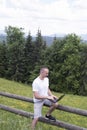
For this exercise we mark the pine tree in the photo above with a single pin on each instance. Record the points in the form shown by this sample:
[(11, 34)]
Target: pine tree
[(40, 45), (29, 62)]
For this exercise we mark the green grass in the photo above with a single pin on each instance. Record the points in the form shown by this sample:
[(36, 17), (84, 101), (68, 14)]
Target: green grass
[(10, 121)]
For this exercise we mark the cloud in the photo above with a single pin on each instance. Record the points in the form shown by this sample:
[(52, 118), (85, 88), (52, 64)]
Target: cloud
[(51, 16)]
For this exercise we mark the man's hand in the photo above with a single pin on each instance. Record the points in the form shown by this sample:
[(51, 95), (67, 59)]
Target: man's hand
[(54, 96), (50, 93), (50, 97)]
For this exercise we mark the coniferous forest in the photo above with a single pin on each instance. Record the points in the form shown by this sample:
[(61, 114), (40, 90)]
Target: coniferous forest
[(21, 58)]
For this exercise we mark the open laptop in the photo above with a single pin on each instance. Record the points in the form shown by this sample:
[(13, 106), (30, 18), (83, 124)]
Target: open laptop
[(58, 99)]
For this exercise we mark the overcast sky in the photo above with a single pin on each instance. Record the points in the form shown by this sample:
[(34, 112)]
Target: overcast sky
[(50, 16)]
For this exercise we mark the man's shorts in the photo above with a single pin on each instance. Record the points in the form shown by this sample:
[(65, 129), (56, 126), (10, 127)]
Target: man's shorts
[(38, 107)]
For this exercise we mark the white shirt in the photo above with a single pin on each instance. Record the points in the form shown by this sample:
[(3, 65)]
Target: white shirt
[(41, 86)]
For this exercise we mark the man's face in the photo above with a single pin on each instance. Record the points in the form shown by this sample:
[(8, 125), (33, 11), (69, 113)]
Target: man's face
[(45, 73)]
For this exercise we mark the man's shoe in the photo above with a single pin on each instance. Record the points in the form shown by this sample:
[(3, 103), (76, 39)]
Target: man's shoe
[(50, 117)]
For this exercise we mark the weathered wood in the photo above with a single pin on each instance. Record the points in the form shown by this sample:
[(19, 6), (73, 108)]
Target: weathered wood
[(18, 97), (60, 107), (42, 119)]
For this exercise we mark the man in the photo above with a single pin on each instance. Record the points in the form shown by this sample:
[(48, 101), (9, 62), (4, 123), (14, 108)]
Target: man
[(42, 94)]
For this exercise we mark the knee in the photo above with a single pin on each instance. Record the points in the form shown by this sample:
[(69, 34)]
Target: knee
[(55, 105)]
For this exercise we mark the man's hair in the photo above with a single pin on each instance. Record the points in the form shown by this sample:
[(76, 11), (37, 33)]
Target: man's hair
[(42, 68)]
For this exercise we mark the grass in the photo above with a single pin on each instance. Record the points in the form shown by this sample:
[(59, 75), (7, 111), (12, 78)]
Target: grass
[(9, 121)]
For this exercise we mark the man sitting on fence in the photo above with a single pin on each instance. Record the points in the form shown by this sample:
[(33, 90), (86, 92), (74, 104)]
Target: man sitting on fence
[(42, 94)]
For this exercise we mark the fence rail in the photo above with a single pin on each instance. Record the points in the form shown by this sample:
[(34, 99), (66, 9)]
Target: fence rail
[(43, 119), (60, 107)]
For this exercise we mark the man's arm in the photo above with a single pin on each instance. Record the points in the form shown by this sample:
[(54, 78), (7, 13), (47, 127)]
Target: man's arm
[(50, 94), (36, 95)]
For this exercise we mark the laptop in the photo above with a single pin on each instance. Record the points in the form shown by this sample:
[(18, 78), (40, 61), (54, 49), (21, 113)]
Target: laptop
[(58, 99)]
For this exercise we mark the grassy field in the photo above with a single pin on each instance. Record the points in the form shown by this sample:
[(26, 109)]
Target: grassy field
[(10, 121)]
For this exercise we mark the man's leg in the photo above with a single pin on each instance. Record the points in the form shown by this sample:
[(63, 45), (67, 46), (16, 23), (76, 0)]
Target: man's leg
[(52, 108), (37, 113), (34, 122)]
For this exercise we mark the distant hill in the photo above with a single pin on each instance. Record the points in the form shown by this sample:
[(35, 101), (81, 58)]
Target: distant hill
[(2, 38), (84, 37), (49, 39)]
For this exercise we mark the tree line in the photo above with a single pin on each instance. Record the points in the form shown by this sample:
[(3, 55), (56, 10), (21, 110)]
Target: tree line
[(21, 58)]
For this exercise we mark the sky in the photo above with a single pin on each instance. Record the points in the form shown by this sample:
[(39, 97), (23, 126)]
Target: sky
[(49, 16)]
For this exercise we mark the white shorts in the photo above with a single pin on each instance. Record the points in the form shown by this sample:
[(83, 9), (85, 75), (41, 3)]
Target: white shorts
[(38, 107)]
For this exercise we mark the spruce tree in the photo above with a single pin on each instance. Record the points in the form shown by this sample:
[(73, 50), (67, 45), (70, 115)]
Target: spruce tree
[(29, 62)]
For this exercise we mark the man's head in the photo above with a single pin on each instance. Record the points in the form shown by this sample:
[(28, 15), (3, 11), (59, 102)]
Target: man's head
[(44, 71)]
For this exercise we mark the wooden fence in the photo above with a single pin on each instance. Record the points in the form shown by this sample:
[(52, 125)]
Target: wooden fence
[(43, 119)]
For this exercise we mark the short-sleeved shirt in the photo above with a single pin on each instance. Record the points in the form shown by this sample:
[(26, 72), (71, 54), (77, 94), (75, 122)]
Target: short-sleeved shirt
[(40, 86)]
